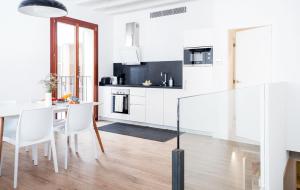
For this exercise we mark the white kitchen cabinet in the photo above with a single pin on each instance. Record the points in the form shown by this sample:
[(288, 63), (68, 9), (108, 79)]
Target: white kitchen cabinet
[(137, 113), (137, 109), (137, 100), (105, 98), (197, 80), (154, 106), (170, 106)]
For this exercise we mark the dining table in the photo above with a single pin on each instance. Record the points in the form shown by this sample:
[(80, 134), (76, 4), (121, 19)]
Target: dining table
[(14, 110)]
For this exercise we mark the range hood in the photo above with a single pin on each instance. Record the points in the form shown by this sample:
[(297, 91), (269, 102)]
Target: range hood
[(130, 53)]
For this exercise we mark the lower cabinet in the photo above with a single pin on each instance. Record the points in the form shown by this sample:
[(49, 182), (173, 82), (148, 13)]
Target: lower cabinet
[(155, 106), (170, 106), (137, 113), (137, 109), (146, 105)]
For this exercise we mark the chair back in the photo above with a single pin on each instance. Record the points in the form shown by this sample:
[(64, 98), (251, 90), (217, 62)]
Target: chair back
[(79, 117), (35, 125)]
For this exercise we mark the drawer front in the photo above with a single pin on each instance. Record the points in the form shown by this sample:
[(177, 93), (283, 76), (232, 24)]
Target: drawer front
[(137, 100), (138, 92)]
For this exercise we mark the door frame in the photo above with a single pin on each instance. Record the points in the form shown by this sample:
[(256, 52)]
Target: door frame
[(53, 51)]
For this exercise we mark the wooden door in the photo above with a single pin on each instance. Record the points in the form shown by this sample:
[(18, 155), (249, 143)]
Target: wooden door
[(69, 42)]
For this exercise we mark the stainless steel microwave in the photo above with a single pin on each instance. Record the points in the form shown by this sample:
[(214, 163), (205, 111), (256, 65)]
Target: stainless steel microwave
[(198, 55)]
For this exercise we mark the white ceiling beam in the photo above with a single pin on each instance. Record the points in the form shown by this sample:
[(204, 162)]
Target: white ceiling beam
[(87, 2), (115, 3), (146, 5), (81, 1)]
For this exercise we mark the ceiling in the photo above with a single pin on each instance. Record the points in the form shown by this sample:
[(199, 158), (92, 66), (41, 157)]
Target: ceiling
[(124, 6)]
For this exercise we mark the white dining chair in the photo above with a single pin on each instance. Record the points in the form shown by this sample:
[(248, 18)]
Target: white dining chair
[(35, 126), (79, 120), (10, 123)]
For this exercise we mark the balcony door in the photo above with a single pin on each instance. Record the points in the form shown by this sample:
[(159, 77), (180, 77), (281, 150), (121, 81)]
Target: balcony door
[(74, 58)]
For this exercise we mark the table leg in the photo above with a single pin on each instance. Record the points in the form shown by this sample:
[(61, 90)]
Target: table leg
[(1, 134), (98, 135)]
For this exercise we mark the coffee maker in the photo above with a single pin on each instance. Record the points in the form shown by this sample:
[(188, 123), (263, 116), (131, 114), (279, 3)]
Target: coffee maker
[(121, 79)]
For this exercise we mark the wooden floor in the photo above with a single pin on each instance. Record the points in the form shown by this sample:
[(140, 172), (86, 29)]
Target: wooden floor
[(128, 164)]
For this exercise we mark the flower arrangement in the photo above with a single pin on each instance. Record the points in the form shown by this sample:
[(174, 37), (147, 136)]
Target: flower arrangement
[(50, 83)]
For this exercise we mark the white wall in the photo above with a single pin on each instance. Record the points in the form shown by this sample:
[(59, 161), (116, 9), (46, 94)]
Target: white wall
[(292, 40), (162, 39), (25, 50)]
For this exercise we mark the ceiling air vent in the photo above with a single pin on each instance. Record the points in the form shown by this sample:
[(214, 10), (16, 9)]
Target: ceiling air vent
[(168, 12)]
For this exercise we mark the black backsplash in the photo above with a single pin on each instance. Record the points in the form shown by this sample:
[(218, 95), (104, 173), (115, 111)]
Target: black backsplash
[(137, 74)]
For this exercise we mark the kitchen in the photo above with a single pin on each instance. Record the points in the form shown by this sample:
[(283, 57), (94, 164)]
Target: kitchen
[(149, 91)]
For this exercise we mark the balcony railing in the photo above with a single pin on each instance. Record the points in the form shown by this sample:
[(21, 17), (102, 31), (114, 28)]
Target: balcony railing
[(66, 84)]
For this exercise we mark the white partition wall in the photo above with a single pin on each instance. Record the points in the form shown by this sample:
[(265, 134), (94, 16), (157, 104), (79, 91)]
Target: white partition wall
[(224, 137), (260, 128)]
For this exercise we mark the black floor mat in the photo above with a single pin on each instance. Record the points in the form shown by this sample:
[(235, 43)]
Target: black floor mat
[(161, 135)]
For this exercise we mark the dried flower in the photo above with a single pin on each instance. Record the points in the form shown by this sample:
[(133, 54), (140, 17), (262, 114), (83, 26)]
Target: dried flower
[(50, 83)]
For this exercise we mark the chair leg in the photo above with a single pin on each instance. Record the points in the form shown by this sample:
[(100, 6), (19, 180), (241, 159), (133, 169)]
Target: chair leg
[(16, 166), (53, 148), (32, 152), (35, 154), (1, 163), (76, 143), (96, 152), (46, 147), (66, 152)]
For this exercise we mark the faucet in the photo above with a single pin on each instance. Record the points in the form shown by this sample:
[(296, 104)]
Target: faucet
[(164, 78)]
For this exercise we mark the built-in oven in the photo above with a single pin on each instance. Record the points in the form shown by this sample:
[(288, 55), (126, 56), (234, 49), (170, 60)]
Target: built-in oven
[(120, 101), (198, 55)]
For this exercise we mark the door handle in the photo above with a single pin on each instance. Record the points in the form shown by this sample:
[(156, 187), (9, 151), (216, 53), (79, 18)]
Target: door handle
[(236, 81)]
